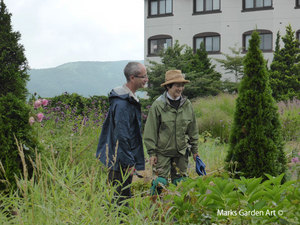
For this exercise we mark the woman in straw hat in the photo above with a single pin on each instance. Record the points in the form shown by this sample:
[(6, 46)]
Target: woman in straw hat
[(171, 132)]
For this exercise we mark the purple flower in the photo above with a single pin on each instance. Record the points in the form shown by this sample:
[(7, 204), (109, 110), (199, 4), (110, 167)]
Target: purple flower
[(295, 160)]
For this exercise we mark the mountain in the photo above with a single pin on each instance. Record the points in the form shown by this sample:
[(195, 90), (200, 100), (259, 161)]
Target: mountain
[(84, 78)]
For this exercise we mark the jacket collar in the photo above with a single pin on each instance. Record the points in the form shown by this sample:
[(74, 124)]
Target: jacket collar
[(165, 102)]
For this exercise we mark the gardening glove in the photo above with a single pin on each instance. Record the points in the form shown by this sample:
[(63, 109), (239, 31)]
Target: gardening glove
[(200, 167)]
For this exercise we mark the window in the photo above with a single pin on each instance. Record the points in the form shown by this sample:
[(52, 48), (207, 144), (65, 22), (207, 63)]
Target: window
[(160, 7), (257, 4), (297, 4), (211, 42), (298, 35), (266, 40), (158, 43), (206, 6)]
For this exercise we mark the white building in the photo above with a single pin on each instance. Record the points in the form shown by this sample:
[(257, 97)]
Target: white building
[(220, 24)]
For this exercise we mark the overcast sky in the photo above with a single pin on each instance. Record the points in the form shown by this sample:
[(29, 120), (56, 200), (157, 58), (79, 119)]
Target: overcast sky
[(55, 32)]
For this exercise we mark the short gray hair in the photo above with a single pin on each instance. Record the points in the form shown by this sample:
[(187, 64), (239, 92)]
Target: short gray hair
[(132, 68)]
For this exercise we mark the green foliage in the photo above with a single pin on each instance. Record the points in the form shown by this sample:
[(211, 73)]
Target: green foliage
[(13, 64), (222, 200), (204, 79), (256, 140), (14, 112), (197, 68), (290, 119), (14, 127), (69, 186), (78, 103), (233, 63), (215, 115), (285, 68), (175, 57)]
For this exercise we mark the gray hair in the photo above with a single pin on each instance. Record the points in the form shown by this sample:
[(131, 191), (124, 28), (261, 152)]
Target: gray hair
[(132, 68)]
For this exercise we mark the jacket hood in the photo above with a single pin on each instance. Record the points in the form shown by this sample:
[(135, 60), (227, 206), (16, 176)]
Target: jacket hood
[(123, 93), (119, 92)]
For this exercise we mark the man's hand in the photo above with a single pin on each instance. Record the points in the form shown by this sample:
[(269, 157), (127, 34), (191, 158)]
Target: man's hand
[(131, 170), (153, 160)]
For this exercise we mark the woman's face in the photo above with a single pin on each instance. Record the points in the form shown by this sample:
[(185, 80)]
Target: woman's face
[(176, 90)]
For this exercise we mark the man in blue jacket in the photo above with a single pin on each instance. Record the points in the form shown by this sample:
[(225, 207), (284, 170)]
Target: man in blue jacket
[(120, 146)]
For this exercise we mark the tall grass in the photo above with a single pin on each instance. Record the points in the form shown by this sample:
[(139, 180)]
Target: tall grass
[(215, 115)]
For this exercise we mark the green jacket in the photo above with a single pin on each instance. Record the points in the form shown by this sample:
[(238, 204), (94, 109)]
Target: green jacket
[(170, 131)]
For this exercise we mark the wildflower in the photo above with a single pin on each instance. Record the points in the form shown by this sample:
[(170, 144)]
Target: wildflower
[(37, 103), (44, 102), (40, 117), (31, 120), (295, 160)]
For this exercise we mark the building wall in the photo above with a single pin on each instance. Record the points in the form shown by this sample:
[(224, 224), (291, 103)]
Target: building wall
[(231, 23)]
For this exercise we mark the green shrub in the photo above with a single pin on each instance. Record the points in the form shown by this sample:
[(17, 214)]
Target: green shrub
[(14, 127)]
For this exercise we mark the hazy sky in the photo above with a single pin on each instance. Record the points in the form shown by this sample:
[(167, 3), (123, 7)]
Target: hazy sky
[(54, 32)]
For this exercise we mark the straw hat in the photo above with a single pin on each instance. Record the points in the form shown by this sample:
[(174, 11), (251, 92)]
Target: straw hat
[(174, 76)]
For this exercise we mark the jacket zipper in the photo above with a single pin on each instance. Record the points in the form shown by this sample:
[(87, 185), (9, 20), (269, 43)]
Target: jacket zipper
[(175, 131)]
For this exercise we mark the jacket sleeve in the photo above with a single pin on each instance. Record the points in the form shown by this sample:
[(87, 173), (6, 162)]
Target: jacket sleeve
[(193, 133), (151, 131), (122, 133)]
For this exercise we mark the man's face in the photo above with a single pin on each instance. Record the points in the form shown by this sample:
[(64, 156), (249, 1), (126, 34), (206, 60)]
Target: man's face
[(142, 79), (176, 90)]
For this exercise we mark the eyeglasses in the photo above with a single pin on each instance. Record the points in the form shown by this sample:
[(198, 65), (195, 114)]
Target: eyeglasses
[(143, 77)]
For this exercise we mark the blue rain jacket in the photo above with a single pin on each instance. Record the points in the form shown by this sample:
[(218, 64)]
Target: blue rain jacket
[(122, 125)]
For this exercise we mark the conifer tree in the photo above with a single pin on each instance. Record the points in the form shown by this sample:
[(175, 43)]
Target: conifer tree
[(197, 68), (256, 142), (285, 68), (205, 80), (233, 63), (176, 57), (13, 108)]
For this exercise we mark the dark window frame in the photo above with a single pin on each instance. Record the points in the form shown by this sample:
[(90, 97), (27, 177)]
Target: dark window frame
[(260, 31), (297, 4), (206, 35), (204, 10), (256, 8), (157, 37), (158, 10)]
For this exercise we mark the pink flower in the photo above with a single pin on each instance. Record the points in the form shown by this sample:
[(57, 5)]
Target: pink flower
[(295, 160), (40, 117), (37, 103), (31, 120), (44, 102)]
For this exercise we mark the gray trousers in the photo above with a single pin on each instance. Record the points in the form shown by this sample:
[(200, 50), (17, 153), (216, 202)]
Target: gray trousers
[(176, 165)]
